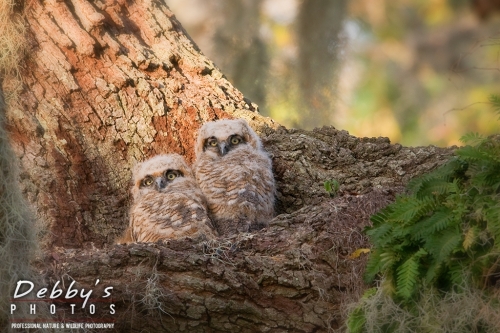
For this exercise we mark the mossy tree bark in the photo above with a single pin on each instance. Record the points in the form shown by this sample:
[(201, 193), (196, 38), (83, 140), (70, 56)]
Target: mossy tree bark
[(107, 84)]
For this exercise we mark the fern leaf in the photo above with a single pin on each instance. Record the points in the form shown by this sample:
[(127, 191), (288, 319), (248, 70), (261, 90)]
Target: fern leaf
[(492, 217), (486, 178), (495, 101), (434, 187), (356, 321), (369, 293), (411, 210), (470, 237), (473, 139), (442, 245), (451, 241), (474, 154), (387, 285), (420, 253), (379, 235), (387, 260), (433, 272), (438, 221), (454, 187), (373, 266), (456, 167), (380, 217), (456, 274), (407, 277), (415, 184)]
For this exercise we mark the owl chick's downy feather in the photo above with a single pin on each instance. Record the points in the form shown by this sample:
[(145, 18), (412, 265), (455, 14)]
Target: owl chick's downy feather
[(235, 175), (167, 202)]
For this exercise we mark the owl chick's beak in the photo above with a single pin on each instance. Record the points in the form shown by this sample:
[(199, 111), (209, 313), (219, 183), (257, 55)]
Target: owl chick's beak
[(160, 183), (223, 149)]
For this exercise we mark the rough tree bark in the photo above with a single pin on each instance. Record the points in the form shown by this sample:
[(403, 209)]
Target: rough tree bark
[(109, 83)]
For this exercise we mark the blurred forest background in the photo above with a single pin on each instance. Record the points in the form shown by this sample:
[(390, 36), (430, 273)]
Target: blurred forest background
[(417, 71)]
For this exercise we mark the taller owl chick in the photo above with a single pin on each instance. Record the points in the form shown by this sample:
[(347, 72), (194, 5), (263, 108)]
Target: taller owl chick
[(167, 202), (235, 175)]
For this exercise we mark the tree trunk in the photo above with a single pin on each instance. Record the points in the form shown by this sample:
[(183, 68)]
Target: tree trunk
[(238, 47), (107, 84), (319, 29)]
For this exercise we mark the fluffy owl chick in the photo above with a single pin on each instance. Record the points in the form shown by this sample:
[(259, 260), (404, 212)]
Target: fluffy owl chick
[(167, 203), (235, 175)]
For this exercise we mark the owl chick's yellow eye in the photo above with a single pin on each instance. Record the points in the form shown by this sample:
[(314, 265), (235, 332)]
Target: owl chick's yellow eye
[(235, 141), (213, 143), (147, 181), (171, 176)]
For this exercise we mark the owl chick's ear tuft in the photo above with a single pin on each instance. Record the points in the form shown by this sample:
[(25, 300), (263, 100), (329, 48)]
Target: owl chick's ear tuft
[(250, 135)]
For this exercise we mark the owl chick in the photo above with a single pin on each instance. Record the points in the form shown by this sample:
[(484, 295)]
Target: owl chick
[(235, 175), (167, 203)]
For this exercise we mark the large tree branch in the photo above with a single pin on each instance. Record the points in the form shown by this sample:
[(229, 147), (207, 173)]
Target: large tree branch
[(297, 275)]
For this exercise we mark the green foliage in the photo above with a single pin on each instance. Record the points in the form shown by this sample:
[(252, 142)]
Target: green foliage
[(437, 249), (495, 101), (448, 224), (442, 236), (332, 187)]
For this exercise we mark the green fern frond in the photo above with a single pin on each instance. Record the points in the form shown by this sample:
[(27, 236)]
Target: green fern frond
[(443, 244), (373, 266), (455, 168), (473, 154), (435, 187), (473, 139), (495, 101), (438, 221), (388, 284), (456, 273), (380, 217), (454, 187), (433, 272), (492, 217), (380, 235), (415, 184), (487, 177), (409, 210), (452, 242), (387, 260), (356, 320), (407, 277), (446, 230)]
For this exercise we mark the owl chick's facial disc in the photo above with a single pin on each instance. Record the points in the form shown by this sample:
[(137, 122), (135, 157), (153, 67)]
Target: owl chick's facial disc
[(156, 173), (218, 138), (167, 203)]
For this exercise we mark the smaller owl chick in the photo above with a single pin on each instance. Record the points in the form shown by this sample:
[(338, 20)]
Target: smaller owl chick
[(235, 175), (167, 203)]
